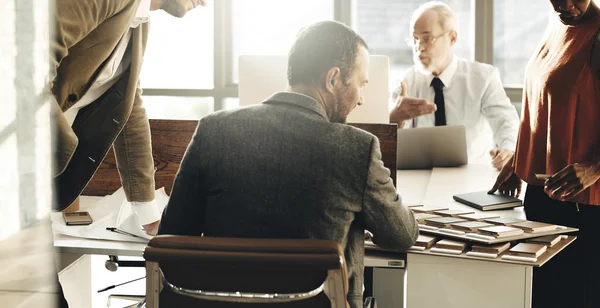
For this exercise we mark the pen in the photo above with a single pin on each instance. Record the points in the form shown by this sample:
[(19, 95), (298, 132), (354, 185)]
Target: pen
[(112, 229), (542, 176), (120, 284)]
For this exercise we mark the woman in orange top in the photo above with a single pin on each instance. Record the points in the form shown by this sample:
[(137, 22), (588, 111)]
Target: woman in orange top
[(560, 135)]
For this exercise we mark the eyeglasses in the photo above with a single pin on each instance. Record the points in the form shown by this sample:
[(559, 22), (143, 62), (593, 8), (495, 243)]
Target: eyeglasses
[(426, 40)]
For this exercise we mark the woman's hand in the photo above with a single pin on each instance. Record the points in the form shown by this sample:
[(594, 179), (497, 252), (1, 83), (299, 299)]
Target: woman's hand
[(572, 180), (508, 182)]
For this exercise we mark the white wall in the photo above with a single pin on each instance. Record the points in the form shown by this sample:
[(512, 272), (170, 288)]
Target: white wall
[(25, 181)]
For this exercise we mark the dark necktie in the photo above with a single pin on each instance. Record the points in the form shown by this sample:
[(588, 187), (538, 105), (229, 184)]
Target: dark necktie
[(440, 113)]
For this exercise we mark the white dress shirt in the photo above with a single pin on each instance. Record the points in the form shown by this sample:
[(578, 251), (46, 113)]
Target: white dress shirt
[(473, 97), (119, 62)]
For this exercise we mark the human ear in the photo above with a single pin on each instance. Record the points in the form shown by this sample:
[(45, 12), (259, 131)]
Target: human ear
[(453, 37), (332, 77)]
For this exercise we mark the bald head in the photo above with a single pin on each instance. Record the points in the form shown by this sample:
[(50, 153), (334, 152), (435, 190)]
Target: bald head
[(436, 11)]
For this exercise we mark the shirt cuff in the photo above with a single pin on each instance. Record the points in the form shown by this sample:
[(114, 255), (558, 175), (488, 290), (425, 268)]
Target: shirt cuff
[(508, 145), (147, 212)]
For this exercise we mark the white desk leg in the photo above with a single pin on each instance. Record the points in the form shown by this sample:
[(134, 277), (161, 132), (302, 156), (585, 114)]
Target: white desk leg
[(75, 275), (528, 286), (435, 281)]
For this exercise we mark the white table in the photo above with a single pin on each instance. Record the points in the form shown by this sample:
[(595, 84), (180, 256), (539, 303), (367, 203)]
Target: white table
[(431, 281), (437, 281)]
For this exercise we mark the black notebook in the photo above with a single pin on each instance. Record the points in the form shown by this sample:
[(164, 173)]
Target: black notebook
[(483, 201)]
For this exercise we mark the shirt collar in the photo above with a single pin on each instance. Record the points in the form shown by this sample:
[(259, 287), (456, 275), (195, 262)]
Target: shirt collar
[(447, 75), (299, 100), (142, 14)]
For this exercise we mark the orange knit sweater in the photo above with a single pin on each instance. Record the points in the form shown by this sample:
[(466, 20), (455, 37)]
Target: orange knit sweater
[(561, 106)]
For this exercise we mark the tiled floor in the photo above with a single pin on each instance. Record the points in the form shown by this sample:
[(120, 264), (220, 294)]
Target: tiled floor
[(27, 269), (28, 275)]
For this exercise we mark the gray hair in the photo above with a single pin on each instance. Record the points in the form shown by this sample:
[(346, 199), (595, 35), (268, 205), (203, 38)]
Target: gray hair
[(446, 14)]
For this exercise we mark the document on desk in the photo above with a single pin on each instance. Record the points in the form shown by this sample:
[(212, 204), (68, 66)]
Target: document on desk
[(109, 211)]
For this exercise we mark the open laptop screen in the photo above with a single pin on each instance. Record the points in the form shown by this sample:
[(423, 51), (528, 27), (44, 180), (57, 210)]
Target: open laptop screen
[(428, 147)]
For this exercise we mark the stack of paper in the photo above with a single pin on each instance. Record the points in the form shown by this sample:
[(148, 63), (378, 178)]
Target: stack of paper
[(112, 211)]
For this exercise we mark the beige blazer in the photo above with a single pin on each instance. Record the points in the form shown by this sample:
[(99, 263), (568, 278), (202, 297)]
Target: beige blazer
[(83, 38)]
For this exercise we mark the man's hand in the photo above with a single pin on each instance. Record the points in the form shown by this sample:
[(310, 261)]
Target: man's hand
[(500, 157), (408, 108), (508, 182), (152, 228), (572, 180)]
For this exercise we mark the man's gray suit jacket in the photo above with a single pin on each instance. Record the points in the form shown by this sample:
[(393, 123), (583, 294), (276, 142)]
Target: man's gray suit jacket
[(282, 170)]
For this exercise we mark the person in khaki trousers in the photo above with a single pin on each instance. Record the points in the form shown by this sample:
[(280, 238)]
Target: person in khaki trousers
[(97, 47)]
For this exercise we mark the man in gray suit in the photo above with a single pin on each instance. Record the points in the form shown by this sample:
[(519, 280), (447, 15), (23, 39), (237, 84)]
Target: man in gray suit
[(290, 167)]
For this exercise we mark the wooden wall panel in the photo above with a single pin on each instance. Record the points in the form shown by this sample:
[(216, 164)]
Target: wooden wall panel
[(169, 142), (170, 139)]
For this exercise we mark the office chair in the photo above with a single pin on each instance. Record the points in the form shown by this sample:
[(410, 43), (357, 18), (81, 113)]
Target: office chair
[(188, 271)]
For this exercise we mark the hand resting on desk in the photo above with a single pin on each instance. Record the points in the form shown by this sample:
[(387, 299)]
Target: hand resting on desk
[(508, 182)]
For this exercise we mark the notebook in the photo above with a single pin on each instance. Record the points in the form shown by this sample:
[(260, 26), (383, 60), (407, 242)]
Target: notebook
[(425, 241), (427, 209), (534, 226), (491, 249), (529, 250), (548, 240), (504, 221), (453, 212), (479, 216), (500, 231), (470, 226), (420, 217), (443, 222), (483, 201), (449, 246)]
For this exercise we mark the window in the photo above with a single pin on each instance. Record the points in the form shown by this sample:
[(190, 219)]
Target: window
[(518, 28), (193, 60), (179, 53), (385, 25), (265, 27), (178, 107)]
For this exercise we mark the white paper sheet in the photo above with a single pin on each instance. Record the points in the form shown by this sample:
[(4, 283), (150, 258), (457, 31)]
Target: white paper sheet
[(109, 211)]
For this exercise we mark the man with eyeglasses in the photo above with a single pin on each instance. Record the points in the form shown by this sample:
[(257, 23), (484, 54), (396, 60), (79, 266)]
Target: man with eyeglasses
[(442, 89)]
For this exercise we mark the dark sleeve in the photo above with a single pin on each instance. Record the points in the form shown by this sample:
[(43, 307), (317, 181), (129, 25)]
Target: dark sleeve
[(184, 214), (595, 56), (391, 222)]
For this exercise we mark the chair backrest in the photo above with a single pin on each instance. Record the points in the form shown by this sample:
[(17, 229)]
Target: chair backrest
[(190, 271), (170, 139)]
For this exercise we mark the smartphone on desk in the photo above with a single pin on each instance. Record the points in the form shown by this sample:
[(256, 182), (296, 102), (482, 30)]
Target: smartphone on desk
[(77, 218)]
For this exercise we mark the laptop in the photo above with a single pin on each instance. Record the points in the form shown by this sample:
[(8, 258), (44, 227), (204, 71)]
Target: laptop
[(260, 76), (428, 147)]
